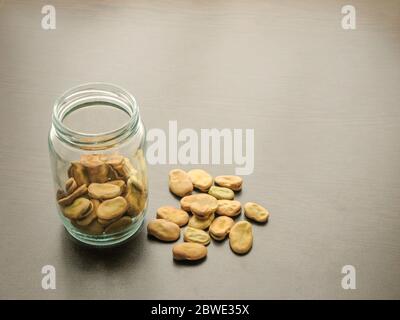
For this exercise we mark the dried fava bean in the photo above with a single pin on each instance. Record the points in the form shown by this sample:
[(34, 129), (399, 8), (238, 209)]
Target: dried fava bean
[(204, 205), (66, 201), (196, 235), (201, 179), (119, 225), (135, 196), (232, 182), (174, 215), (78, 172), (119, 183), (87, 212), (111, 209), (220, 227), (70, 185), (221, 193), (180, 183), (77, 209), (97, 170), (127, 169), (60, 194), (113, 160), (202, 224), (141, 175), (94, 228), (189, 251), (187, 201), (230, 208), (256, 212), (105, 222), (91, 216), (164, 230), (241, 237), (113, 174), (103, 191)]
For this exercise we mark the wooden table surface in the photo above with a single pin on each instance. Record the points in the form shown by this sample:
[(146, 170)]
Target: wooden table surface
[(324, 104)]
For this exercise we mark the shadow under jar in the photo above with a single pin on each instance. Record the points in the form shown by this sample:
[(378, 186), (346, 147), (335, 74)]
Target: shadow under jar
[(97, 147)]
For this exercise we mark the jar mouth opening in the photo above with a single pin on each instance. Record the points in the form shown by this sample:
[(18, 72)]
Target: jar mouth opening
[(89, 94)]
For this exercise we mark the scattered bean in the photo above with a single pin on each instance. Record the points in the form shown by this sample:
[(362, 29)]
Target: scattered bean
[(230, 208), (189, 251), (241, 237), (202, 224), (164, 230), (187, 201), (256, 212), (180, 183), (196, 235), (221, 193), (232, 182), (174, 215), (220, 227), (201, 179), (204, 205)]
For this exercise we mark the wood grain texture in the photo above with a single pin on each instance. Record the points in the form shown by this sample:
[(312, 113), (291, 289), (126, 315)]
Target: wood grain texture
[(324, 103)]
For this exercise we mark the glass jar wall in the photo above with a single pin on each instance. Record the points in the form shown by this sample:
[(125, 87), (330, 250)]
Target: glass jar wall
[(97, 147)]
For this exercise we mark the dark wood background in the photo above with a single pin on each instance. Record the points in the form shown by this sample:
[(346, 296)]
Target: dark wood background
[(324, 103)]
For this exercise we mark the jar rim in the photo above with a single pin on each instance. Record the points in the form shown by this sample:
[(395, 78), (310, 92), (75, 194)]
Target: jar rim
[(77, 96)]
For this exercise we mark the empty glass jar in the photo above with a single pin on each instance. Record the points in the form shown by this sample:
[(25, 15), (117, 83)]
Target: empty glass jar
[(97, 147)]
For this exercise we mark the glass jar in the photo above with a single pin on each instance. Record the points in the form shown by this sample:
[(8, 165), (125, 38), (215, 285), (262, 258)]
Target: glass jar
[(97, 147)]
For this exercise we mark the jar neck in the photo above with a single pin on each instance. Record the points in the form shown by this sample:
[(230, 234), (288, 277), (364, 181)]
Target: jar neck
[(95, 93)]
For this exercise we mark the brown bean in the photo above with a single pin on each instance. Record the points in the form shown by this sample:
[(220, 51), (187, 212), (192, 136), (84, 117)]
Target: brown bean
[(232, 182), (180, 183), (189, 251), (202, 224), (78, 172), (187, 201), (80, 191), (70, 185), (196, 235), (135, 196), (91, 216), (204, 205), (104, 191), (201, 179), (241, 237), (119, 225), (221, 193), (220, 227), (94, 228), (164, 230), (113, 208), (97, 170), (256, 212), (230, 208), (77, 209), (174, 215)]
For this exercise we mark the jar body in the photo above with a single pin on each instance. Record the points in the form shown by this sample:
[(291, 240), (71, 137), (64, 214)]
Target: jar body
[(100, 179)]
